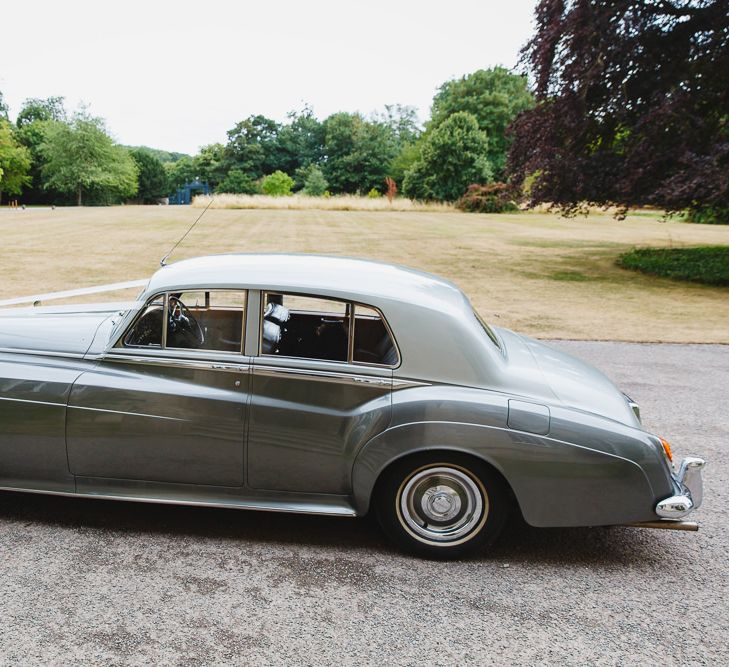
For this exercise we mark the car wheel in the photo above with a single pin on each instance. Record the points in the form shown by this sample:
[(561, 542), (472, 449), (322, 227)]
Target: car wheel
[(441, 506)]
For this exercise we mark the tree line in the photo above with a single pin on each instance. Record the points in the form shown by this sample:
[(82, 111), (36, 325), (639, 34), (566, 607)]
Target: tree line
[(49, 155), (628, 106)]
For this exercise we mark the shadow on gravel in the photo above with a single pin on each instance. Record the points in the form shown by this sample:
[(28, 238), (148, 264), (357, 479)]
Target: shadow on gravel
[(520, 543)]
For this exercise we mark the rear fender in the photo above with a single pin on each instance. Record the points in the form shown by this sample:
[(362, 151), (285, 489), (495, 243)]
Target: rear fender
[(555, 483)]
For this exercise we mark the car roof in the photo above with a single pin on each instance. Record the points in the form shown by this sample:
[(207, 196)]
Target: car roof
[(340, 277)]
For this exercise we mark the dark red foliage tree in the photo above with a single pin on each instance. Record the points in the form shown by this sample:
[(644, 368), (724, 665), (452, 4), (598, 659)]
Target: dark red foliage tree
[(633, 105)]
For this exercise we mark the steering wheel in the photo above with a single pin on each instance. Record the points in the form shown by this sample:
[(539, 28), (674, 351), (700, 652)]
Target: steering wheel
[(181, 324)]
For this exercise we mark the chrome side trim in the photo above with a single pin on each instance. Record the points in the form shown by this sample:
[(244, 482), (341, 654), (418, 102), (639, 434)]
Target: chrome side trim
[(176, 362), (41, 353), (407, 384), (25, 400), (292, 507), (324, 376), (129, 414)]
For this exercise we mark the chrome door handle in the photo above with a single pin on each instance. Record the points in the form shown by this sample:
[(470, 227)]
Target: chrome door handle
[(228, 367), (377, 381)]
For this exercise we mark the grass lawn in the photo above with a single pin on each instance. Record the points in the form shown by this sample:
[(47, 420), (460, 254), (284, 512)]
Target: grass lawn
[(533, 272)]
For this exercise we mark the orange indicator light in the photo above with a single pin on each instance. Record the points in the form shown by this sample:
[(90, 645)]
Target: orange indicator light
[(667, 449)]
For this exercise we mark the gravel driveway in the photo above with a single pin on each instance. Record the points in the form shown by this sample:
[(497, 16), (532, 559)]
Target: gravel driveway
[(89, 582)]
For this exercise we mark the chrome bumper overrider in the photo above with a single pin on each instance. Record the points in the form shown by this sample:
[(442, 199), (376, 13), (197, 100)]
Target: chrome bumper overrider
[(691, 490)]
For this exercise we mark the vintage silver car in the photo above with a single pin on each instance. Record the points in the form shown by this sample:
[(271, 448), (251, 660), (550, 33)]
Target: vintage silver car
[(325, 385)]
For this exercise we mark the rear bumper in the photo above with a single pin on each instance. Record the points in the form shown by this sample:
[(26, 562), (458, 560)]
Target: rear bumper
[(690, 490)]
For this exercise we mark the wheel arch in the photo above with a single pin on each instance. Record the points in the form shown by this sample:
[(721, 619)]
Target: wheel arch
[(395, 446)]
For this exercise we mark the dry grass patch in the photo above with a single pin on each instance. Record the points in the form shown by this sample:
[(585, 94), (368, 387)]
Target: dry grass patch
[(302, 202), (536, 273)]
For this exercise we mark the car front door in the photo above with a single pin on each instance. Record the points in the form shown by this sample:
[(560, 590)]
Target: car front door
[(312, 404), (167, 403)]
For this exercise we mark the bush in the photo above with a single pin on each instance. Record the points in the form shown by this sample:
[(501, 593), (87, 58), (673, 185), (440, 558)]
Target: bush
[(238, 182), (277, 184), (704, 264), (373, 194), (708, 215), (315, 185), (490, 198)]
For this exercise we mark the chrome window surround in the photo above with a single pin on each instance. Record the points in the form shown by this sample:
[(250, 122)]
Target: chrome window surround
[(351, 317), (165, 296)]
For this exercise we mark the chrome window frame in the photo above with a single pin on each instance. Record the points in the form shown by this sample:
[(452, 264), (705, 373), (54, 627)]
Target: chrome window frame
[(351, 317), (121, 345)]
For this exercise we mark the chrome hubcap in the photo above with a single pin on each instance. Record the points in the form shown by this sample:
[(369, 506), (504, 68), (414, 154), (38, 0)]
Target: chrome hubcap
[(442, 504)]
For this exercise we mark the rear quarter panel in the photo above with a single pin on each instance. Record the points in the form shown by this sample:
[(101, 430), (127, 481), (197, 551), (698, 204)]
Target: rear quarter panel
[(587, 472)]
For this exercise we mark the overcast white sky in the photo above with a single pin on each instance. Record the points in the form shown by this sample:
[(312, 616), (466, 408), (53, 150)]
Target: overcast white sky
[(178, 74)]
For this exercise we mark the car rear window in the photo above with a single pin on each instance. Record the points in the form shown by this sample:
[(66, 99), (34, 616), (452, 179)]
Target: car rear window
[(489, 331), (373, 342)]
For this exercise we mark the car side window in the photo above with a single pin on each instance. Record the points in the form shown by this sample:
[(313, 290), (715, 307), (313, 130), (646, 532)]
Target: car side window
[(206, 320), (147, 329), (373, 343), (308, 327), (305, 327), (195, 320)]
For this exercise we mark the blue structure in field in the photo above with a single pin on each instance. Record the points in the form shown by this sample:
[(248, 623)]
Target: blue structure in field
[(185, 194)]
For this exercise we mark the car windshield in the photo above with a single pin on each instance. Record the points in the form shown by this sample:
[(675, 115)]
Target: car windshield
[(489, 331)]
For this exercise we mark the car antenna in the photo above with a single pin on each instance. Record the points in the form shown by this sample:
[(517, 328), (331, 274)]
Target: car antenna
[(163, 261)]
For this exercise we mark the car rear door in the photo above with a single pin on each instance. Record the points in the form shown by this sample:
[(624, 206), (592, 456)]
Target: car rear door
[(309, 417)]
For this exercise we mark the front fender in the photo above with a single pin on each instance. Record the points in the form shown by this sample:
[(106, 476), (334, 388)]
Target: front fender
[(556, 483)]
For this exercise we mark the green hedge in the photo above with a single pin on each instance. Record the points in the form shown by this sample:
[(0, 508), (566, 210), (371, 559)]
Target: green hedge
[(705, 264)]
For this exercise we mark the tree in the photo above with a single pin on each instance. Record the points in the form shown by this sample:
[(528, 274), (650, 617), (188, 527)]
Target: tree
[(14, 161), (162, 156), (358, 152), (406, 131), (495, 97), (33, 135), (35, 109), (452, 157), (210, 164), (33, 122), (3, 107), (300, 142), (403, 161), (315, 183), (277, 184), (80, 157), (253, 146), (402, 121), (152, 181), (632, 105), (180, 172)]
